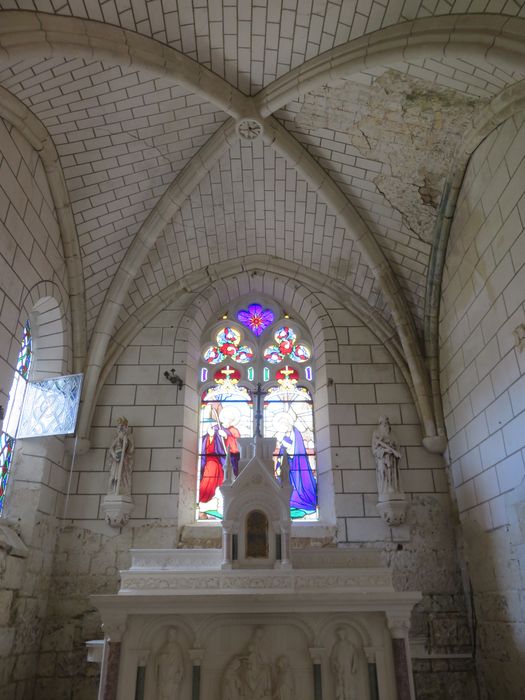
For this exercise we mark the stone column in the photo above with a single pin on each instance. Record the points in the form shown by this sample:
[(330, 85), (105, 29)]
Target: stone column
[(227, 528), (399, 624), (196, 658), (140, 680), (109, 672), (285, 546), (316, 654), (372, 672)]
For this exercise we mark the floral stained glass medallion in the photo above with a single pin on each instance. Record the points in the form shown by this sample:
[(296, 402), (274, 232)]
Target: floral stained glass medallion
[(256, 318), (228, 346), (286, 347)]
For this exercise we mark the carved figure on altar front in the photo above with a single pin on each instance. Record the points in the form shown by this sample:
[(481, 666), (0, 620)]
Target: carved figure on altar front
[(121, 453), (344, 663), (257, 681), (232, 681), (248, 676), (169, 667), (284, 682), (258, 672), (387, 455)]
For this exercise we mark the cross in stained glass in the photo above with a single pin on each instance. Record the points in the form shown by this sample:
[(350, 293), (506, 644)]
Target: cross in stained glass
[(258, 408)]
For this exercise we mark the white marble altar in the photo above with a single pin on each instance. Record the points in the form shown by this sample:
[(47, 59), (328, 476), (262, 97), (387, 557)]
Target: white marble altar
[(257, 622)]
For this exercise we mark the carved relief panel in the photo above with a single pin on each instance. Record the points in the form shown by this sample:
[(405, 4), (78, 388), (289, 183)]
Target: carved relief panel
[(345, 669), (259, 662), (168, 669)]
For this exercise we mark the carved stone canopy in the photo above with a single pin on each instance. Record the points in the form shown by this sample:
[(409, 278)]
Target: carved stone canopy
[(256, 510)]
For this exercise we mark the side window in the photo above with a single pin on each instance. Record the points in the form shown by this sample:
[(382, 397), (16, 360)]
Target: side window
[(13, 410)]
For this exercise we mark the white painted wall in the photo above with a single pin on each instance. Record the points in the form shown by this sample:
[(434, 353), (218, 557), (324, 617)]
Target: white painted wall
[(483, 385), (32, 285)]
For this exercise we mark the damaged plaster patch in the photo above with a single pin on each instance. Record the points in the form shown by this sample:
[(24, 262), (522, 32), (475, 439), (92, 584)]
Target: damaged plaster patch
[(410, 127)]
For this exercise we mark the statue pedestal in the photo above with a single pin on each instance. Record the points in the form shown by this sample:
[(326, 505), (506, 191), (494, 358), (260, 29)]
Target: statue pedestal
[(117, 510), (393, 510)]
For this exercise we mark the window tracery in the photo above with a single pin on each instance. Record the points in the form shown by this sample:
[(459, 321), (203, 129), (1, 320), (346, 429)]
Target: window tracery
[(259, 384)]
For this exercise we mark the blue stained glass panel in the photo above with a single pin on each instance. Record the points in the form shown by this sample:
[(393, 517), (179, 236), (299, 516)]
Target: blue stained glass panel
[(300, 353), (213, 355), (7, 444), (24, 356), (243, 354), (13, 410), (288, 417)]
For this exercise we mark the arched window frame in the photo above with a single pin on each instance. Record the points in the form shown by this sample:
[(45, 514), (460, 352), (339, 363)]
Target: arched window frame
[(258, 344), (45, 311)]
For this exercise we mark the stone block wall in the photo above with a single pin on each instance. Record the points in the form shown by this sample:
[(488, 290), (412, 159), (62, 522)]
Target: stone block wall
[(483, 385), (33, 273)]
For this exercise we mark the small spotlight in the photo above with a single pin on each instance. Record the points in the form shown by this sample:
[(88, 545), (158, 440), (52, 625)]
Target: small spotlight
[(174, 378)]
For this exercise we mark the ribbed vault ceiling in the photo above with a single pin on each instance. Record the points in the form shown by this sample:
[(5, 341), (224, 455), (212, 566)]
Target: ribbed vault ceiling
[(386, 135)]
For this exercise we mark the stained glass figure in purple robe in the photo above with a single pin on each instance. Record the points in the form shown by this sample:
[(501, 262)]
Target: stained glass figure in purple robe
[(288, 417), (304, 494)]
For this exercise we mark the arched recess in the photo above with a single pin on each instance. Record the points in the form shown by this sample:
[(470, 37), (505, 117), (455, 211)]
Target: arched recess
[(51, 331), (202, 296), (38, 478)]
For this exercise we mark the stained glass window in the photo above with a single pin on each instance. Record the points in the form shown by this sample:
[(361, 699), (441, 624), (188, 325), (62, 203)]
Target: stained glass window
[(225, 416), (13, 410), (284, 406), (288, 417)]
